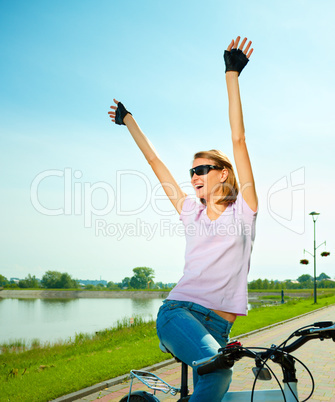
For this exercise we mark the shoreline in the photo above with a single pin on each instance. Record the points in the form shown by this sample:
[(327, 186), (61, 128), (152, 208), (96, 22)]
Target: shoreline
[(115, 294), (78, 294)]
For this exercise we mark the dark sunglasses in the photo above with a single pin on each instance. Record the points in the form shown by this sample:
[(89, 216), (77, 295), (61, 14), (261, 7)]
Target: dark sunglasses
[(202, 169)]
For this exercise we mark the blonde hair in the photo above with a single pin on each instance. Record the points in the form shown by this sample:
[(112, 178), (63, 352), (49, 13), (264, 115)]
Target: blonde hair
[(230, 186)]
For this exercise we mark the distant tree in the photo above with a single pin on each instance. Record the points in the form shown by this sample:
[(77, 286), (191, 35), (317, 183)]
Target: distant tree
[(170, 285), (136, 283), (326, 284), (51, 280), (160, 285), (257, 284), (290, 285), (58, 280), (305, 278), (266, 284), (113, 286), (66, 282), (3, 280), (11, 285), (29, 282), (23, 284), (142, 277), (322, 277), (125, 283)]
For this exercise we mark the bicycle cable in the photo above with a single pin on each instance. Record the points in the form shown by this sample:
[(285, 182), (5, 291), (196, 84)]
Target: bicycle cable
[(310, 374), (283, 344), (268, 367)]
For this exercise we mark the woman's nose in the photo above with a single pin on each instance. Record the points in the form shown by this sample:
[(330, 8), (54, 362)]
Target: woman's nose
[(194, 177)]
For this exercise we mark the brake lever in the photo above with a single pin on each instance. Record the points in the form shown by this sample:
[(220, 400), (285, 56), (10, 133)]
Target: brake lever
[(196, 363), (229, 347), (314, 330)]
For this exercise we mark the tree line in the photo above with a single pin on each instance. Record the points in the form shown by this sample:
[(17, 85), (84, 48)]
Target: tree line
[(305, 281), (143, 278)]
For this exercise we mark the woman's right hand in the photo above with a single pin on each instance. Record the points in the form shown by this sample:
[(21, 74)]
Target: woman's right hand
[(112, 113), (118, 113)]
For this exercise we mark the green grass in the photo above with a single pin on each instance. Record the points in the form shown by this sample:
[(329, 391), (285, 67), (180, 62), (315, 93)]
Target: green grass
[(320, 291), (103, 289), (47, 372), (275, 297), (263, 316)]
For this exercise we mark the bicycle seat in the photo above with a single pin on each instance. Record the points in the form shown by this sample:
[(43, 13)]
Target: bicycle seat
[(165, 350)]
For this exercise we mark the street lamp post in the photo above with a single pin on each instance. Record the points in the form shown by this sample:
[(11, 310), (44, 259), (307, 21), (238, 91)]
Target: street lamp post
[(315, 216)]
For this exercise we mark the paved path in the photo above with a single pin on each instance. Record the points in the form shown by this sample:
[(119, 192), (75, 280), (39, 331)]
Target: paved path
[(318, 356)]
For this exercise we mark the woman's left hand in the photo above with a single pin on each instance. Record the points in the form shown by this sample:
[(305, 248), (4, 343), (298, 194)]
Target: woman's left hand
[(234, 43), (237, 58)]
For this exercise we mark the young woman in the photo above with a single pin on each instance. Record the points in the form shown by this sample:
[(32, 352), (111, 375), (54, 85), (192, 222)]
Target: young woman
[(195, 319)]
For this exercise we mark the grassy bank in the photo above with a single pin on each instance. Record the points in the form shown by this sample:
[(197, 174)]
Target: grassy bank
[(44, 373), (320, 291), (263, 316), (86, 290)]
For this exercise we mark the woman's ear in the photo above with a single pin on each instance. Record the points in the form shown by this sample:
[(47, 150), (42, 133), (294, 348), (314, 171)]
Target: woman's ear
[(224, 175)]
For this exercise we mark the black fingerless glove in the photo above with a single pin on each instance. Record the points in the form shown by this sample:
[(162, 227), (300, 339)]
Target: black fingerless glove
[(235, 60), (120, 114)]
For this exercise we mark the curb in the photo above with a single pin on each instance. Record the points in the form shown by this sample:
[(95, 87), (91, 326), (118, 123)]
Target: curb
[(108, 383), (279, 323), (118, 380)]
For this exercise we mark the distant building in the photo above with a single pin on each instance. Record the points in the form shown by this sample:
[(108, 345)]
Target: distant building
[(92, 282)]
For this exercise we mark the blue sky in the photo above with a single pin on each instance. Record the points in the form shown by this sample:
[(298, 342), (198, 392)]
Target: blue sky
[(77, 195)]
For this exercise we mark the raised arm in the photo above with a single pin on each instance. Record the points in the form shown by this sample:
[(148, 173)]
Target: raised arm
[(236, 59), (175, 194)]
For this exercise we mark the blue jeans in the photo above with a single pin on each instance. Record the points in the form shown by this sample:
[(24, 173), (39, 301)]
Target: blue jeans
[(192, 332)]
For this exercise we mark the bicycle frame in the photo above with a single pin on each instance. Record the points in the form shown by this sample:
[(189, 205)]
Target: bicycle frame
[(233, 352), (157, 384), (271, 395)]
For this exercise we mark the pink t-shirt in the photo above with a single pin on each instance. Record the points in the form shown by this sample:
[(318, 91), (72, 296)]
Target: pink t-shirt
[(217, 256)]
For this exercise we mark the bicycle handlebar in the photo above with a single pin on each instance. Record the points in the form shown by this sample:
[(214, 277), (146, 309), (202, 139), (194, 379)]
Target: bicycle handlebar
[(234, 351), (321, 332), (224, 360)]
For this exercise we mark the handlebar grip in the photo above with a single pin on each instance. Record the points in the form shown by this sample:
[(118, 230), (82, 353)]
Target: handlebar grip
[(218, 363), (323, 324)]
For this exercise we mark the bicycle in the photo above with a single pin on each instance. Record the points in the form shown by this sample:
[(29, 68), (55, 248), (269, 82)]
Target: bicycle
[(234, 351)]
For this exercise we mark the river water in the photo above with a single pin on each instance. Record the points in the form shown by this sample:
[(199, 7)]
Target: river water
[(50, 320)]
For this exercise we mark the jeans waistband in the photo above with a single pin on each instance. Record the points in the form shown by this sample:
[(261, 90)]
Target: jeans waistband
[(193, 307)]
